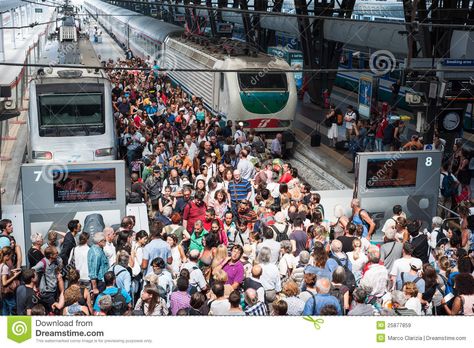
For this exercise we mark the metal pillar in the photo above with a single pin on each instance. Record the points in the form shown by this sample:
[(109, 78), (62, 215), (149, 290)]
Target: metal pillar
[(22, 21), (13, 24), (2, 46)]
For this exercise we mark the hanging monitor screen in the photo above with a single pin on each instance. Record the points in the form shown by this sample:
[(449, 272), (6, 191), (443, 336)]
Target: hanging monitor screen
[(390, 172), (84, 185)]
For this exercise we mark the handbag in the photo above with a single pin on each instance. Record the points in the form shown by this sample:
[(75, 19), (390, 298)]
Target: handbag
[(10, 288)]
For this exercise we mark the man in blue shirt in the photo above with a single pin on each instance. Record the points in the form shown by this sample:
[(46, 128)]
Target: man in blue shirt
[(112, 290), (317, 302), (156, 248), (97, 263), (239, 190)]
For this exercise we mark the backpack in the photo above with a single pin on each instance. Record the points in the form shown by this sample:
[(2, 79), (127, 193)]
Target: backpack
[(350, 278), (416, 280), (339, 117), (119, 304), (441, 238), (448, 186), (320, 208), (337, 293), (259, 146), (280, 236)]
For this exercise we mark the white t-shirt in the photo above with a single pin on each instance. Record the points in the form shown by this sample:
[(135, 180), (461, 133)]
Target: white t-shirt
[(109, 250), (415, 304), (352, 116), (80, 260), (402, 265), (219, 307), (287, 261)]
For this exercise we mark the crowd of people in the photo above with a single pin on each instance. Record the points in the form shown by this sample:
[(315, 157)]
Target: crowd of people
[(233, 230)]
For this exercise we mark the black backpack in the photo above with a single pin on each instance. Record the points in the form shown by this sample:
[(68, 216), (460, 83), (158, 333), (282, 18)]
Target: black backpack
[(93, 223), (441, 238), (281, 236), (350, 278), (337, 293), (119, 304)]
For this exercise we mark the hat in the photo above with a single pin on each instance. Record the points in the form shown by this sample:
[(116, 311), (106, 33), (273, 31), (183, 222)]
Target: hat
[(142, 140), (416, 264), (280, 218), (156, 169), (241, 124)]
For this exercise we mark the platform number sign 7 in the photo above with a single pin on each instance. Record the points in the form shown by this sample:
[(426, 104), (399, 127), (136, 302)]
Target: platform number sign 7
[(428, 161), (38, 174)]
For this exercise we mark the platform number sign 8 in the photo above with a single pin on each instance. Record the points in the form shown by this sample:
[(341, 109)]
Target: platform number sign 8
[(428, 161)]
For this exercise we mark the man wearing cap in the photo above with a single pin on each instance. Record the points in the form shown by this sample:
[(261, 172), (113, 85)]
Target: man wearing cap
[(403, 264), (412, 276)]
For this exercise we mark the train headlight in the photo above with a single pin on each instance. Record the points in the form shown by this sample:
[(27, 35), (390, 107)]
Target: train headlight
[(285, 123), (42, 155), (104, 152)]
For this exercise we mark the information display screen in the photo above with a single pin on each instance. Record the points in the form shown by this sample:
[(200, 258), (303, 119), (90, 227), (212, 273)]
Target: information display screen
[(388, 173), (84, 185)]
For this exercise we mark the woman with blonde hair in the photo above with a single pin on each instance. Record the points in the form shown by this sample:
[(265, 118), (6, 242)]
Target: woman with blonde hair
[(72, 296), (411, 293), (221, 276), (221, 254)]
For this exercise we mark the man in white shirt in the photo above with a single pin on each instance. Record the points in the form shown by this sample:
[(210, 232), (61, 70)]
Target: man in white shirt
[(196, 277), (109, 248), (239, 133), (433, 239), (391, 223), (191, 147), (271, 244), (247, 169), (403, 264), (376, 277), (350, 119)]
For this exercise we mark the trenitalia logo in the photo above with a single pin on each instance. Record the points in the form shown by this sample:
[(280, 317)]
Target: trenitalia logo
[(19, 328)]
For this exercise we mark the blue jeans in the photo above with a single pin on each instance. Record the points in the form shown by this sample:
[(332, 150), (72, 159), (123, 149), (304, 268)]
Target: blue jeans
[(8, 305), (378, 144)]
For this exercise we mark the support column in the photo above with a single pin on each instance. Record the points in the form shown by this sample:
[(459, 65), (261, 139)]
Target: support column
[(13, 24), (23, 21), (2, 46)]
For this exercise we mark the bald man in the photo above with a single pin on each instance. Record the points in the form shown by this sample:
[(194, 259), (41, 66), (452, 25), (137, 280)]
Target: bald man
[(254, 306), (254, 283)]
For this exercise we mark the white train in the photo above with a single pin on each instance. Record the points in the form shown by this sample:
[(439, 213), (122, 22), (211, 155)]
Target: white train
[(70, 111), (261, 97)]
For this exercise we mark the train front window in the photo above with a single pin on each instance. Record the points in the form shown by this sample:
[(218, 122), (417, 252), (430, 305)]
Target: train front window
[(262, 81), (71, 115)]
